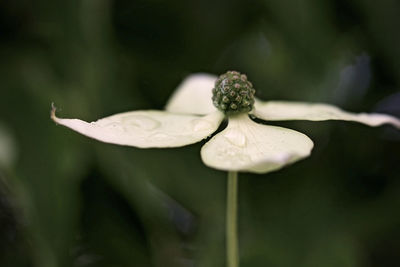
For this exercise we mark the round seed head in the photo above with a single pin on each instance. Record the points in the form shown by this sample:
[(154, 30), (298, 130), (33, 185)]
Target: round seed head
[(233, 93)]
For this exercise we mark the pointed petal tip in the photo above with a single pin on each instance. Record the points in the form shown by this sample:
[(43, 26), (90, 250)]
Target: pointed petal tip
[(146, 129), (53, 113), (286, 110)]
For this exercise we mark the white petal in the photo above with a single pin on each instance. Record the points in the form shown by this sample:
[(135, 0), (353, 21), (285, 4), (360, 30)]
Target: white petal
[(282, 110), (147, 129), (248, 146), (193, 96)]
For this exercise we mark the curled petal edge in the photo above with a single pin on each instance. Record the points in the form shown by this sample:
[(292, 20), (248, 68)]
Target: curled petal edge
[(146, 129), (286, 110)]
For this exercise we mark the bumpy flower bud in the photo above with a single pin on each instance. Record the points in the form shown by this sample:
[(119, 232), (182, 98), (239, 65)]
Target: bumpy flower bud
[(233, 93)]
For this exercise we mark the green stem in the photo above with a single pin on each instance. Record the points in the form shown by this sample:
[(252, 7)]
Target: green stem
[(232, 250)]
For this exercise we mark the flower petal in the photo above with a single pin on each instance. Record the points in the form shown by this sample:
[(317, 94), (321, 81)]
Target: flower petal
[(193, 96), (282, 110), (147, 129), (248, 146)]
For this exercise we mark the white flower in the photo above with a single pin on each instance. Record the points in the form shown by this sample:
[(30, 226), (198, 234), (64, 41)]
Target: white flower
[(244, 145)]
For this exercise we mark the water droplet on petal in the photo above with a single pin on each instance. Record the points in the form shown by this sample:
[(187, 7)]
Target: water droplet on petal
[(140, 122), (233, 156), (161, 137), (200, 125), (226, 152), (283, 157), (113, 128), (235, 137)]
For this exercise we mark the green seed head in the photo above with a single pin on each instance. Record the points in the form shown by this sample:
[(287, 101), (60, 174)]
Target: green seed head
[(233, 93)]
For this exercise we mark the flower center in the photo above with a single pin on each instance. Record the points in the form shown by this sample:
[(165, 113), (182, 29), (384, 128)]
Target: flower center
[(233, 93)]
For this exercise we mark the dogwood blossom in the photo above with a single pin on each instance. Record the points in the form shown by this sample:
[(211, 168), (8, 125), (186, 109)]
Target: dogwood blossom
[(196, 110)]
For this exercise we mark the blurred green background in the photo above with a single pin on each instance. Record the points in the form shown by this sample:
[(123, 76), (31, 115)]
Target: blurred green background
[(67, 200)]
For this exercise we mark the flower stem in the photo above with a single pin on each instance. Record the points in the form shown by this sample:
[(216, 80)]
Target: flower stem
[(232, 250)]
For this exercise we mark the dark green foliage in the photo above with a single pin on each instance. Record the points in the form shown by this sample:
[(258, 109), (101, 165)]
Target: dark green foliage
[(71, 201)]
